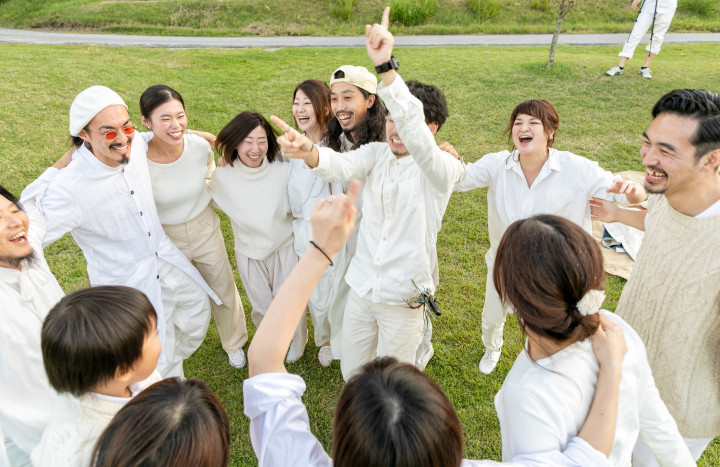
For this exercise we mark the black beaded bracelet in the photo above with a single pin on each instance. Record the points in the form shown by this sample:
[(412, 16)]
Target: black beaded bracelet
[(321, 251)]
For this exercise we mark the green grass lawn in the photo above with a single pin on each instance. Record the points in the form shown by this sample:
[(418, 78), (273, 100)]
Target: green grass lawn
[(317, 17), (601, 118)]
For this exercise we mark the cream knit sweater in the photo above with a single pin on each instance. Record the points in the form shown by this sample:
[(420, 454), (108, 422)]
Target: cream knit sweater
[(673, 301)]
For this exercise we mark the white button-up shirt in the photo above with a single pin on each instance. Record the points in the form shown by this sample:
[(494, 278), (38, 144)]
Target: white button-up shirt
[(111, 214), (404, 200), (26, 296), (563, 187)]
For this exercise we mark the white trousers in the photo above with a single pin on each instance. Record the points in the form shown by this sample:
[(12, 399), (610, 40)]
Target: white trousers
[(643, 456), (187, 316), (643, 25), (262, 280), (371, 329), (493, 315)]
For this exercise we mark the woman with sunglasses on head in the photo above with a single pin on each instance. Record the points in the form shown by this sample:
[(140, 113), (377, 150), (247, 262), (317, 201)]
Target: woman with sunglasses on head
[(311, 111), (180, 165), (550, 271), (534, 178), (390, 413)]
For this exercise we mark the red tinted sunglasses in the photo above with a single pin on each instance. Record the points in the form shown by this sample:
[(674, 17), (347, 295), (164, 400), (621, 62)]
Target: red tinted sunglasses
[(112, 134)]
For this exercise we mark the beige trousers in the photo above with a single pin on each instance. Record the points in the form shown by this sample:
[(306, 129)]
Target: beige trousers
[(371, 329), (201, 241), (262, 280)]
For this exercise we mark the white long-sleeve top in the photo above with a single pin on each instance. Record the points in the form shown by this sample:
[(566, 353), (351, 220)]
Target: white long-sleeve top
[(76, 424), (404, 200), (663, 6), (280, 430), (26, 296), (563, 187), (256, 201), (542, 405), (179, 187), (111, 214)]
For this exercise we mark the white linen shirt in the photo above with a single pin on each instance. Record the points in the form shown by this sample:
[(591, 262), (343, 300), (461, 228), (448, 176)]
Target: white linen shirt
[(280, 431), (111, 214), (542, 405), (404, 200), (26, 296), (563, 187)]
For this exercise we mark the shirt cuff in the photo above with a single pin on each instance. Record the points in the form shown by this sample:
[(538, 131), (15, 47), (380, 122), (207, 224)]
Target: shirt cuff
[(264, 391)]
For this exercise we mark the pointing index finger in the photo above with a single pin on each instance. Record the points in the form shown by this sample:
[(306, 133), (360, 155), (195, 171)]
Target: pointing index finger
[(385, 22), (278, 121)]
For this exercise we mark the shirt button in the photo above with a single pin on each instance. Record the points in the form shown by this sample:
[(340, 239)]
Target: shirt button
[(156, 254), (132, 192), (141, 213), (384, 238), (148, 234), (157, 277), (123, 170)]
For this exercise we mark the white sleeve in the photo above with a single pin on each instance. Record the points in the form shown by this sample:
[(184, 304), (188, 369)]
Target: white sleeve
[(598, 180), (55, 203), (479, 174), (578, 453), (440, 169), (337, 167), (528, 422), (279, 425)]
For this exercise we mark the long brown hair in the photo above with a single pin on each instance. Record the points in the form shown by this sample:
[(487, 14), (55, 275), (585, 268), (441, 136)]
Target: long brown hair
[(238, 129), (544, 265), (319, 95), (392, 414)]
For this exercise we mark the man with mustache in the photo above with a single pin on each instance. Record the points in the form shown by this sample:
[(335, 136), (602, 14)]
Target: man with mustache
[(103, 197), (408, 180), (673, 296), (28, 290)]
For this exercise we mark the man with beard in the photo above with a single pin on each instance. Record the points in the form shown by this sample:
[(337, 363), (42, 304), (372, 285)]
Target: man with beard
[(673, 296), (359, 113), (104, 199), (404, 199), (28, 290)]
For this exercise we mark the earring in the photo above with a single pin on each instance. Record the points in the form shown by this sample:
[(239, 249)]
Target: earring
[(551, 137)]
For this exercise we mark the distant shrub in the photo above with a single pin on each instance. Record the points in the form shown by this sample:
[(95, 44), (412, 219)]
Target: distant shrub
[(412, 12), (483, 9), (343, 9), (698, 7), (541, 5)]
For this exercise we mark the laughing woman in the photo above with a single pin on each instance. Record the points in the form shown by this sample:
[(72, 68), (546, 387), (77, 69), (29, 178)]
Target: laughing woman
[(180, 165), (534, 178), (311, 110)]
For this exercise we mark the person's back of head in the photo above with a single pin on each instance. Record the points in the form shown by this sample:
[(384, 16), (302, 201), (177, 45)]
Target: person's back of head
[(433, 101), (544, 267), (172, 423), (698, 104), (92, 335), (391, 414)]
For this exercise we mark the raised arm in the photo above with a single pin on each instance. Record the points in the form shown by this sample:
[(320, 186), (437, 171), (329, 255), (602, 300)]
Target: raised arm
[(332, 221)]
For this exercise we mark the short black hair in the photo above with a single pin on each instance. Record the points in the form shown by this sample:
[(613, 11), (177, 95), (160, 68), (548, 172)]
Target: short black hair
[(433, 101), (91, 334), (701, 105), (157, 95), (10, 197)]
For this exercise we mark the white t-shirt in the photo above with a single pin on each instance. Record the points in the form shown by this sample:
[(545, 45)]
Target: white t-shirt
[(543, 404)]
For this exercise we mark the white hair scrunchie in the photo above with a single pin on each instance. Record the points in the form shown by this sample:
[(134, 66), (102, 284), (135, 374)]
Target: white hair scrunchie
[(591, 302)]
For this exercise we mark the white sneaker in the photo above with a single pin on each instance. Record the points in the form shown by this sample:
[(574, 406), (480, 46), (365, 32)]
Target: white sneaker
[(293, 355), (325, 355), (489, 361), (645, 73), (425, 358), (237, 358), (616, 70)]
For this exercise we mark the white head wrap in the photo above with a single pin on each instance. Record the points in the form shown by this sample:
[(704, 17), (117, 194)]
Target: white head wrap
[(89, 103)]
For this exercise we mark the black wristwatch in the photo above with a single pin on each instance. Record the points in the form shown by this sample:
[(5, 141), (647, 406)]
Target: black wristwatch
[(392, 64)]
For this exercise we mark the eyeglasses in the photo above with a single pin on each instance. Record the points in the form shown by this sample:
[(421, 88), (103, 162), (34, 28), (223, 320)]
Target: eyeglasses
[(112, 134)]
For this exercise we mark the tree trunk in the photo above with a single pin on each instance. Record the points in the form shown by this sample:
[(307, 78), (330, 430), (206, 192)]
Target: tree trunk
[(553, 44)]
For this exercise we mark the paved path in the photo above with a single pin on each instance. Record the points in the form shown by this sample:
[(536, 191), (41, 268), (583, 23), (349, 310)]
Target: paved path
[(184, 42)]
